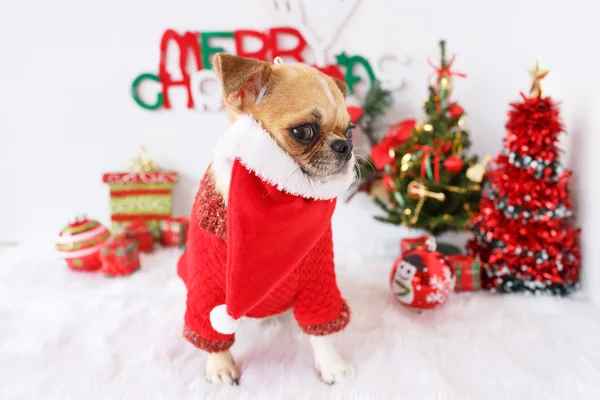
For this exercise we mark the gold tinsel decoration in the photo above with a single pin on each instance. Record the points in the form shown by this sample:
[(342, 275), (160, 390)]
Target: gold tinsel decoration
[(456, 189), (456, 144), (468, 209)]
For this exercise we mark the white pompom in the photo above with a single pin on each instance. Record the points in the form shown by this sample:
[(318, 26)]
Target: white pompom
[(221, 321)]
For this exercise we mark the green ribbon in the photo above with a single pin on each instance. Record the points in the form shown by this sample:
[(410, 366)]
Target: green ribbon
[(428, 166), (396, 193)]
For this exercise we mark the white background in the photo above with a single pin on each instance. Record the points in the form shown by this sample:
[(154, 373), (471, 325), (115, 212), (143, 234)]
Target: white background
[(67, 116)]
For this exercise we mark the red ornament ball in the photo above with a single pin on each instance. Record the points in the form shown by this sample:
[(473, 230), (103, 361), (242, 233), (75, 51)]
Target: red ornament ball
[(421, 279), (79, 243), (453, 164), (456, 111)]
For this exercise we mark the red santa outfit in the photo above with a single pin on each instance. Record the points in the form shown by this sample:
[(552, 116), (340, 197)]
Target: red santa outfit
[(267, 249)]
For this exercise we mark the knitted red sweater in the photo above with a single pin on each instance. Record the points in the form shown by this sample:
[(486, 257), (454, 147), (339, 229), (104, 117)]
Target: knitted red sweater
[(309, 287)]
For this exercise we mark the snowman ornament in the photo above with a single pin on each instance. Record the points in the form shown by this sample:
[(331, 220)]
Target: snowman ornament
[(422, 279)]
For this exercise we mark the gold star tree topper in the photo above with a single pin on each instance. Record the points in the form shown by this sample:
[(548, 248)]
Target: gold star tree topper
[(537, 74)]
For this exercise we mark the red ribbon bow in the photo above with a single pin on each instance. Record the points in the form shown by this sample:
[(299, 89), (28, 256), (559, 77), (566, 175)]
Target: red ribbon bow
[(439, 148), (445, 70)]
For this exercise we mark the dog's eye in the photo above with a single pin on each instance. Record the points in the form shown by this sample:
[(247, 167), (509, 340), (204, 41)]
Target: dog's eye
[(304, 133)]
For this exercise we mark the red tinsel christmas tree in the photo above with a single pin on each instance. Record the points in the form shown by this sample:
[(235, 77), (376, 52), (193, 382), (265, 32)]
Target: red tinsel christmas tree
[(523, 232)]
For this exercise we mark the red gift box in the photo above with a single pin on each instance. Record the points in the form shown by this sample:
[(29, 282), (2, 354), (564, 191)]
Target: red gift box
[(417, 243), (120, 257), (139, 231), (467, 270), (143, 196), (174, 231)]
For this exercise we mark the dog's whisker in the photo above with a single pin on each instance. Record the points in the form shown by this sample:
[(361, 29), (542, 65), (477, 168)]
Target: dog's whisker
[(352, 189), (357, 165), (366, 160), (296, 170), (357, 179), (286, 179), (369, 163), (311, 186)]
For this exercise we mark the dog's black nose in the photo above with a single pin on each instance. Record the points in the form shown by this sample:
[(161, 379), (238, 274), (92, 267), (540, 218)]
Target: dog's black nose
[(344, 147)]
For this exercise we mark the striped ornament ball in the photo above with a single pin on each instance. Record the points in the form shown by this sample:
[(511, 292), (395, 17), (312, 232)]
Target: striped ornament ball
[(79, 243)]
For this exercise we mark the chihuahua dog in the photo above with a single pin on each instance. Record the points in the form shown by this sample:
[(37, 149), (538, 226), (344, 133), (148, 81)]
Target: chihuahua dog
[(260, 234)]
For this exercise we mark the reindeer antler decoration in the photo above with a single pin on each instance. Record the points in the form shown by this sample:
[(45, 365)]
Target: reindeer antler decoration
[(292, 13)]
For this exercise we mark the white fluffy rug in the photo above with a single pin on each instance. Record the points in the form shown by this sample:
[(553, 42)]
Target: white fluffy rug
[(66, 335)]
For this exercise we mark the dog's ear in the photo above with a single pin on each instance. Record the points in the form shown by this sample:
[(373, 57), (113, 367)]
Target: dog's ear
[(341, 85), (242, 79)]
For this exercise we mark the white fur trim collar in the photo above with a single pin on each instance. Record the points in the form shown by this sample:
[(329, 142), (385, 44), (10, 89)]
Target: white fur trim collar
[(247, 141)]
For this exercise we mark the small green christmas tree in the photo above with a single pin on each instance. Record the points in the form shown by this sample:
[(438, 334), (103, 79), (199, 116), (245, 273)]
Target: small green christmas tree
[(432, 183)]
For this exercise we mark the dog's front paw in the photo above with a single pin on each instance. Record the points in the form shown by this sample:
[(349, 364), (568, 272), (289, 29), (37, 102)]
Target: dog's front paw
[(221, 368), (328, 362), (333, 369)]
